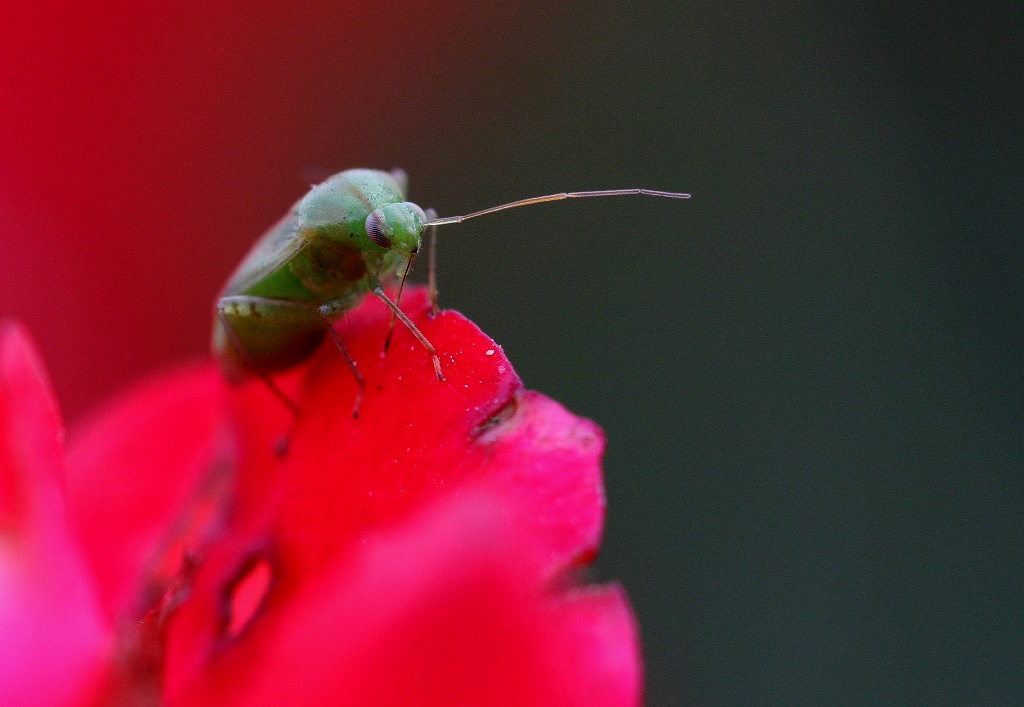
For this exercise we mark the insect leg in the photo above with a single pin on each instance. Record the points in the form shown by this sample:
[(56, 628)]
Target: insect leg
[(239, 347), (327, 311), (432, 262), (378, 291), (398, 302)]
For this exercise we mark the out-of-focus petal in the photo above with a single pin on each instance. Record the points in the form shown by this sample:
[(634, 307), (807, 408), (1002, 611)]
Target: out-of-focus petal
[(54, 641), (140, 478), (547, 462), (443, 609)]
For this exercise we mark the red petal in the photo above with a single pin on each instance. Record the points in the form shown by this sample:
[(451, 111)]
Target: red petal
[(137, 476), (442, 610), (418, 439), (384, 538), (418, 442), (547, 461), (54, 643)]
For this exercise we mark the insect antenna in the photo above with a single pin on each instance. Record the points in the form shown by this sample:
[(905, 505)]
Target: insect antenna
[(445, 220)]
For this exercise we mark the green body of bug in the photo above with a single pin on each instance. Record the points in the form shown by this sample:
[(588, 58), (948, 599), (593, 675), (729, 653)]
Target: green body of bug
[(337, 243)]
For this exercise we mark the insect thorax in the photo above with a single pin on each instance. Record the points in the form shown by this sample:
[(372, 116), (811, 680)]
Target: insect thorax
[(330, 268)]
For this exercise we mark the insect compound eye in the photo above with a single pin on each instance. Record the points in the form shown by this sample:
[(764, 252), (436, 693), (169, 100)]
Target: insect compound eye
[(375, 231)]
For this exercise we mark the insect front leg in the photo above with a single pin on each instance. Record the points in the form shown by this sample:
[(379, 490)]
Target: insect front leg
[(378, 292)]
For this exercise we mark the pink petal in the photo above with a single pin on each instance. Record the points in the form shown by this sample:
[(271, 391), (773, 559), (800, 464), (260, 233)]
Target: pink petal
[(54, 641)]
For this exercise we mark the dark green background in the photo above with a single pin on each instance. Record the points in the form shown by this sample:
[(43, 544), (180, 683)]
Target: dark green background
[(810, 376)]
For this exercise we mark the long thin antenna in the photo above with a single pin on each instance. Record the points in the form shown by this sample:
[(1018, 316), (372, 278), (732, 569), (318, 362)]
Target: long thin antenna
[(555, 197)]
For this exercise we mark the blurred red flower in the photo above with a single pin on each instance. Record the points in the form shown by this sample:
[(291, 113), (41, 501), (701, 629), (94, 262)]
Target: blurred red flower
[(198, 545)]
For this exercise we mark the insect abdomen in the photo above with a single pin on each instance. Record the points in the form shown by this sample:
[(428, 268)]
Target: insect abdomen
[(265, 335)]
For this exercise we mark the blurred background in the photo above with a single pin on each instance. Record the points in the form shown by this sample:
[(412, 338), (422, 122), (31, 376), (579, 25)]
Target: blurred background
[(810, 375)]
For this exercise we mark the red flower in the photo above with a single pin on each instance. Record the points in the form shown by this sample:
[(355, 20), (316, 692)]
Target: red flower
[(214, 550)]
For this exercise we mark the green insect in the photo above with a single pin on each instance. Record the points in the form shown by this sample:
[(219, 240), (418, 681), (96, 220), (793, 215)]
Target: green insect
[(344, 238)]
